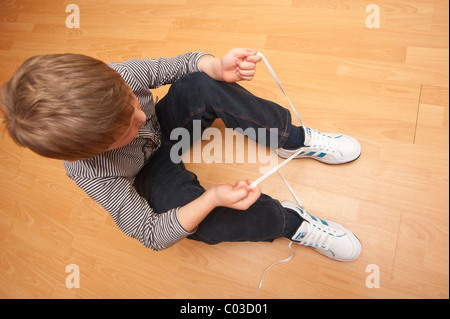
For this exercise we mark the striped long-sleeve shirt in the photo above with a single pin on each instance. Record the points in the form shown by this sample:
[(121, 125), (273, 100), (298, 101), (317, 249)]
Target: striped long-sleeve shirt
[(108, 178)]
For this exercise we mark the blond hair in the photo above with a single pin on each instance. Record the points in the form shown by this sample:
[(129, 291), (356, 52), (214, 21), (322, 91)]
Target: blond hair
[(66, 106)]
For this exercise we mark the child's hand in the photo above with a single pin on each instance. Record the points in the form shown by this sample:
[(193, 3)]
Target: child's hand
[(237, 196), (236, 65), (239, 64)]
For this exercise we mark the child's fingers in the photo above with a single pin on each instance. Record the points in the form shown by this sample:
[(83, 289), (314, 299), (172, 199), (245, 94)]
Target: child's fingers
[(256, 188), (239, 195), (253, 58), (242, 196), (249, 73), (245, 65), (239, 184)]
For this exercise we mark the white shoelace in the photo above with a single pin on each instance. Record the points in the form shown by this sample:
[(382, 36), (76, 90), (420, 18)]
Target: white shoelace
[(279, 84), (322, 142), (318, 236), (276, 262), (276, 169)]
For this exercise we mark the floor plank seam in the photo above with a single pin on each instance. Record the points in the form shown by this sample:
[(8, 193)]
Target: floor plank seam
[(417, 115)]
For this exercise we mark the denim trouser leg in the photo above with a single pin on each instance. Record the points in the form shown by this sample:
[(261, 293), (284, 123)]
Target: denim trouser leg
[(166, 184), (198, 97)]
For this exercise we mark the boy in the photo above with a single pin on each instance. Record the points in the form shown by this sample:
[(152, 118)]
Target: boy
[(102, 120)]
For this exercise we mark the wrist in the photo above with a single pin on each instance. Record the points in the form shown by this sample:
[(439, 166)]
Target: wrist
[(191, 214), (210, 199), (211, 66)]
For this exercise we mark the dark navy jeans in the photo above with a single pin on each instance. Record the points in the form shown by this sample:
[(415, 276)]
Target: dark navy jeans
[(167, 185)]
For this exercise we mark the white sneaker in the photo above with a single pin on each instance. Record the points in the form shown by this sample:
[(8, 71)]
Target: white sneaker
[(325, 147), (326, 237)]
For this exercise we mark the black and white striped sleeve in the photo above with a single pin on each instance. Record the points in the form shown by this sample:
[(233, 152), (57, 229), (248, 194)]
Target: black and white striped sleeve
[(132, 213), (153, 73)]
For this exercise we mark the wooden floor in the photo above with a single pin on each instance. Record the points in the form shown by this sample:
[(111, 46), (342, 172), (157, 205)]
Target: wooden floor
[(388, 87)]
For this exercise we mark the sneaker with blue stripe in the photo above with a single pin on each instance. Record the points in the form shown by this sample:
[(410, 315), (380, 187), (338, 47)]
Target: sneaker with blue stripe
[(324, 236), (326, 147)]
